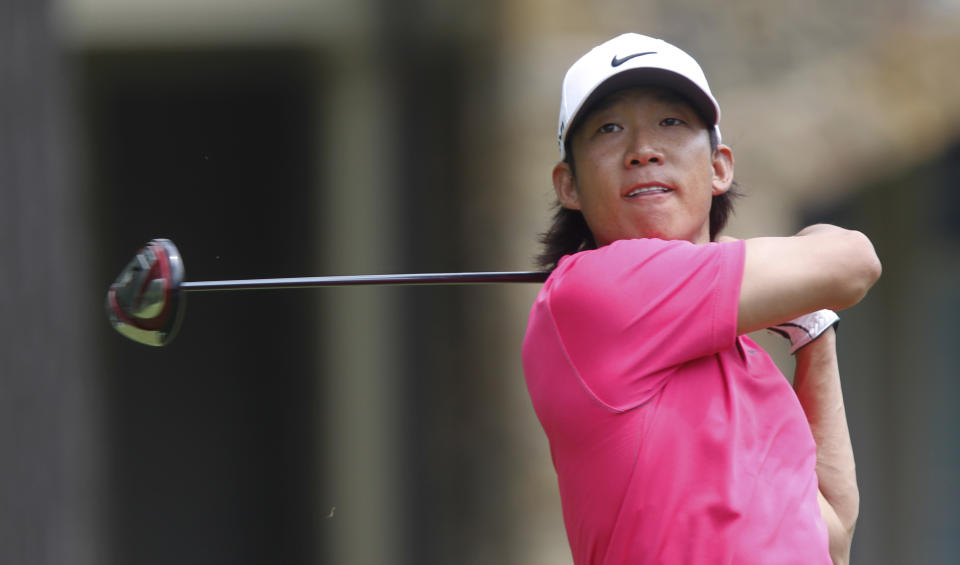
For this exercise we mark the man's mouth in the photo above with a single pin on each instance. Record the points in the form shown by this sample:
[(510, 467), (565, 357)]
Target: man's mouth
[(648, 190)]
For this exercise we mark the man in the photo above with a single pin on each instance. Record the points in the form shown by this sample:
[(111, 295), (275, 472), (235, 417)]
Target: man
[(674, 436)]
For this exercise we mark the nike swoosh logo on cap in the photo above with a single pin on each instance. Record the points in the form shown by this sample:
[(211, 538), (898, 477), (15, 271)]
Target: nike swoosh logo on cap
[(617, 62)]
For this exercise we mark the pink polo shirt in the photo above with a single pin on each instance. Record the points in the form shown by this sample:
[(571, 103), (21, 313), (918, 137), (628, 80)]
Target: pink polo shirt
[(674, 440)]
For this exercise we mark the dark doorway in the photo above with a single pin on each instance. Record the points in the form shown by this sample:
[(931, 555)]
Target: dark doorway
[(211, 442)]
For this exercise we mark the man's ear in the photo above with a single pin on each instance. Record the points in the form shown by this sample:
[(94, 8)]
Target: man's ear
[(722, 169), (565, 186)]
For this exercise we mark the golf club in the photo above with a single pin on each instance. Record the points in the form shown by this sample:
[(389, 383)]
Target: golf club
[(146, 304)]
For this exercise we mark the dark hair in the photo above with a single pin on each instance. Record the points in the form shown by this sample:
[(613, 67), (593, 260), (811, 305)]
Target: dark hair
[(569, 232)]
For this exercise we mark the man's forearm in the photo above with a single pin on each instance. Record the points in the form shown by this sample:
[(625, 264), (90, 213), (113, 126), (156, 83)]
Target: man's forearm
[(820, 267), (817, 384)]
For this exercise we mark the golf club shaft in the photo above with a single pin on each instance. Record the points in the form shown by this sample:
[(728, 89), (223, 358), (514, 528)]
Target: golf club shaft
[(369, 280)]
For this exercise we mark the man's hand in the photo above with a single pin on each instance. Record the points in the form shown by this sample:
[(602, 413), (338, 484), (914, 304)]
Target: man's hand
[(804, 329)]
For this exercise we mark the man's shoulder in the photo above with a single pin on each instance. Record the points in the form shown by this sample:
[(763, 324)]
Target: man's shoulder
[(626, 255)]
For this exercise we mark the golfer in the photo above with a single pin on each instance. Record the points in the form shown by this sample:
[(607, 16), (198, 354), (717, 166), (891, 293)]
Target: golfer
[(674, 436)]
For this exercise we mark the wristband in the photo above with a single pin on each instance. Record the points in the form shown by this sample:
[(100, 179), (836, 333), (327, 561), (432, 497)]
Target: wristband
[(804, 329)]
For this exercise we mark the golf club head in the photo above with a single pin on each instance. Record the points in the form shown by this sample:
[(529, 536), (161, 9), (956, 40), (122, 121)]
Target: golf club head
[(145, 303)]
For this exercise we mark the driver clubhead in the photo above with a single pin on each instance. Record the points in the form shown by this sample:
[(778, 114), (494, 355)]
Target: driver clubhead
[(145, 302)]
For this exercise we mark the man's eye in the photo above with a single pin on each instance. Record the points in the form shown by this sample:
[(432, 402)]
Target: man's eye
[(671, 122), (609, 128)]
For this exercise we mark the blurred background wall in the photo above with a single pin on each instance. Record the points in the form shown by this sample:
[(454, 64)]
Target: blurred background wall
[(304, 137)]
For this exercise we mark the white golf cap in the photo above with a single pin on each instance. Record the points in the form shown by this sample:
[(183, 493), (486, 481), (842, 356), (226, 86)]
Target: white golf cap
[(629, 60)]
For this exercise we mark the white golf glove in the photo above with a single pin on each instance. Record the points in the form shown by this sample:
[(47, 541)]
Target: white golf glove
[(801, 331)]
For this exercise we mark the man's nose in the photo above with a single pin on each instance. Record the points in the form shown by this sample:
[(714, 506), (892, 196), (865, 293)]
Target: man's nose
[(643, 152)]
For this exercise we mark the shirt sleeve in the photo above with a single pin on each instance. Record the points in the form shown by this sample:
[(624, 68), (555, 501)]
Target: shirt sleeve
[(629, 313)]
